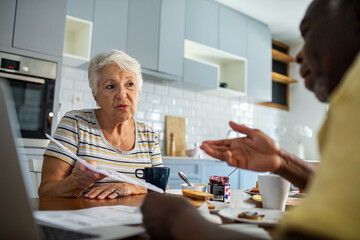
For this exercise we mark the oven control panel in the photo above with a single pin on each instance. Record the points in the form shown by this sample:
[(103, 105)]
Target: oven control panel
[(27, 66)]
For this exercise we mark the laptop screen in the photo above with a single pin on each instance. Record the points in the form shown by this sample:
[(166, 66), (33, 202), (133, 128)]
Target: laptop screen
[(15, 183)]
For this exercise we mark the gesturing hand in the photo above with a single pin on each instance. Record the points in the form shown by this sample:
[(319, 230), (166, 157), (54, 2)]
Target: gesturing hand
[(256, 151)]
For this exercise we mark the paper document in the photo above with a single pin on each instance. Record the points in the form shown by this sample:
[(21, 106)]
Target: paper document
[(112, 174), (91, 217)]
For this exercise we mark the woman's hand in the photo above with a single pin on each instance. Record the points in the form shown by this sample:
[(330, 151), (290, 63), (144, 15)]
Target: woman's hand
[(256, 151), (114, 190), (81, 177)]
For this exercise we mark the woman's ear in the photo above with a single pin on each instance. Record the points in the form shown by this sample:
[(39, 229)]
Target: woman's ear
[(96, 100)]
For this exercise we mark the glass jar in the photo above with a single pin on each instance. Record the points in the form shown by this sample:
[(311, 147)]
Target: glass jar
[(220, 187)]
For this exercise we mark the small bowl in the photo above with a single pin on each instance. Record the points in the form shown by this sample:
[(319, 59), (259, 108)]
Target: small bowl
[(197, 187), (193, 152)]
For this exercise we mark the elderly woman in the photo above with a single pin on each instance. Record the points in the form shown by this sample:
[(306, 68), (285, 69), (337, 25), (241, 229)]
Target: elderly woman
[(108, 137)]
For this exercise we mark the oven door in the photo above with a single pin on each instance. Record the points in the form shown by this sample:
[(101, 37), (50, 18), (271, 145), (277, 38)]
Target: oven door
[(33, 98)]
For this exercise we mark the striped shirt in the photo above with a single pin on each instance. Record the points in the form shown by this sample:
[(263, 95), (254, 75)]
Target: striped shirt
[(80, 132)]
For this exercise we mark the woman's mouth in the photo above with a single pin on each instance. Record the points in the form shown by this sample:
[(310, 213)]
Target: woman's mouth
[(122, 107)]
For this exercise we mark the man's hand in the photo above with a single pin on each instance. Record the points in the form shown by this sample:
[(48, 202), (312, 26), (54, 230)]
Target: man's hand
[(160, 212), (256, 151)]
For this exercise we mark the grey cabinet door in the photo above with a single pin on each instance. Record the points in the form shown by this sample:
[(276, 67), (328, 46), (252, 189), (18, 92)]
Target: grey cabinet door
[(110, 25), (39, 26), (171, 39), (201, 22), (200, 74), (259, 61), (192, 169), (7, 16), (220, 169), (143, 32), (83, 9), (232, 32)]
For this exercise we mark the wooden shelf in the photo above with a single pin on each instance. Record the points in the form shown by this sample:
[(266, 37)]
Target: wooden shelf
[(277, 77), (282, 57), (274, 105)]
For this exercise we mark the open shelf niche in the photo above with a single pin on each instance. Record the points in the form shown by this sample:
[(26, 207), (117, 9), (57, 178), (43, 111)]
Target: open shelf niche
[(232, 69), (77, 42), (280, 76)]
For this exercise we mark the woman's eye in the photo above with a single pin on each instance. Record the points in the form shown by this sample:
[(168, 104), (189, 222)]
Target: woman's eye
[(109, 86), (130, 84)]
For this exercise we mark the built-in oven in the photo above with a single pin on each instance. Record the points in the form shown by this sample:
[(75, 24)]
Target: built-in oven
[(32, 82)]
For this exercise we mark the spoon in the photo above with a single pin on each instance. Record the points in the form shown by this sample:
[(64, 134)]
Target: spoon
[(232, 172), (183, 177)]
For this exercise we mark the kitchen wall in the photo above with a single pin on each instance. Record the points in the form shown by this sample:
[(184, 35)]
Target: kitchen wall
[(206, 115), (305, 109)]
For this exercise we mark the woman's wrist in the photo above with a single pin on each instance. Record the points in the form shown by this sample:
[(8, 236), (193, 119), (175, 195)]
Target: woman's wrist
[(73, 189)]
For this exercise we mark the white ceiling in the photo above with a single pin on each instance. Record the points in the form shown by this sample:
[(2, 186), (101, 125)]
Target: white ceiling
[(282, 16)]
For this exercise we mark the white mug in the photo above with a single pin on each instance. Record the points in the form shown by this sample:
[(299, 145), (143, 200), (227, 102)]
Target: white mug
[(274, 191)]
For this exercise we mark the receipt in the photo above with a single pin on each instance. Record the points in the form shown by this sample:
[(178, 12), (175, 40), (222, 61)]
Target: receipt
[(112, 174)]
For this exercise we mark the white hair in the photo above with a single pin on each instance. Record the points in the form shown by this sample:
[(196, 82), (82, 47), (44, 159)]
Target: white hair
[(104, 59)]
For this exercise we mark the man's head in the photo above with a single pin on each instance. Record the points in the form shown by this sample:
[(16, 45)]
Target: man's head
[(331, 32)]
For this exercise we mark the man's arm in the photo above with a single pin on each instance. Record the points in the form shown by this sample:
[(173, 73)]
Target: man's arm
[(295, 170), (258, 152)]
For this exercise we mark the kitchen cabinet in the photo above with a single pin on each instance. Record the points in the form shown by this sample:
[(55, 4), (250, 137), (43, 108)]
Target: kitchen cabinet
[(199, 170), (171, 38), (192, 169), (221, 169), (109, 25), (77, 41), (259, 85), (39, 26), (7, 16), (247, 179), (201, 22), (34, 157), (242, 53), (232, 31), (83, 9), (155, 34), (212, 68), (280, 76), (200, 74)]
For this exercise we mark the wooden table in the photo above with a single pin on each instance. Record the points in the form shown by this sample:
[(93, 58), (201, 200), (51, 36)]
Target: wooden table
[(81, 202), (239, 199)]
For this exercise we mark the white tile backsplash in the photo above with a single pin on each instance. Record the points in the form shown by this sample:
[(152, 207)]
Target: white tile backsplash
[(207, 116), (160, 89), (73, 73), (154, 98)]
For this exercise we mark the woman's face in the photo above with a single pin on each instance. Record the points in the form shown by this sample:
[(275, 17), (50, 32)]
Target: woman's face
[(118, 93)]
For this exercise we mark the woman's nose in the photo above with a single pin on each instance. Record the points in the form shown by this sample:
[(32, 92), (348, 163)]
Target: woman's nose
[(122, 93)]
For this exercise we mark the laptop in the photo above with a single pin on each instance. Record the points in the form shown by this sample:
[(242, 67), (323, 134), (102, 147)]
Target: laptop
[(17, 221)]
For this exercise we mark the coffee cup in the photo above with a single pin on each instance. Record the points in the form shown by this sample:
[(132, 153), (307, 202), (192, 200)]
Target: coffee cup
[(157, 176), (274, 191)]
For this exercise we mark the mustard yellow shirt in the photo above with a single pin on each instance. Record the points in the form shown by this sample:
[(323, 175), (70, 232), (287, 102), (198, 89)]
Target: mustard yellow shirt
[(332, 207)]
